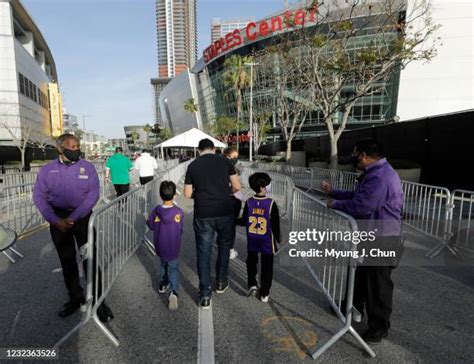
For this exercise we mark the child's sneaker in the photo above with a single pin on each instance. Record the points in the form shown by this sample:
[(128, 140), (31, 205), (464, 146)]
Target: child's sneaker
[(173, 301), (163, 288), (264, 298), (252, 291)]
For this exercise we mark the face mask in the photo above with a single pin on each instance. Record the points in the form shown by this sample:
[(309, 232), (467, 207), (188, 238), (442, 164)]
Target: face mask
[(234, 161), (72, 155), (269, 188)]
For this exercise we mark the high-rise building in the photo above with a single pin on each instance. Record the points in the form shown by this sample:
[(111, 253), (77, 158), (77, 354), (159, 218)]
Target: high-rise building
[(219, 28), (176, 40), (30, 102)]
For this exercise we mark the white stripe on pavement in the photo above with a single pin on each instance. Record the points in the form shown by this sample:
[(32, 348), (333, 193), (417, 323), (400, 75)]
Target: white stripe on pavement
[(205, 337)]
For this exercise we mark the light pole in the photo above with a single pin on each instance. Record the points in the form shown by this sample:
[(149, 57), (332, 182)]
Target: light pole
[(251, 64)]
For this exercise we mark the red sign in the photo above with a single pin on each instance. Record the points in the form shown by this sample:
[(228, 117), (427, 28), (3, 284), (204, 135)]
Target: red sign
[(254, 31)]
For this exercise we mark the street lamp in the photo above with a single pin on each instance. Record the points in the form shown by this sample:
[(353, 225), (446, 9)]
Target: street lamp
[(251, 64)]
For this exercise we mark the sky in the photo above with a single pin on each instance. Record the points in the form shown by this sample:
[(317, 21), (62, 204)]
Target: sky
[(105, 53)]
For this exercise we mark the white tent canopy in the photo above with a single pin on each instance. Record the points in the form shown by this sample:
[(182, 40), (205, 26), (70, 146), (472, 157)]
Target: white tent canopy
[(189, 139)]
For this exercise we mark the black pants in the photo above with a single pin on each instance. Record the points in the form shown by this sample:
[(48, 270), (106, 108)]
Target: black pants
[(266, 272), (121, 189), (66, 248), (373, 288), (145, 180), (65, 243)]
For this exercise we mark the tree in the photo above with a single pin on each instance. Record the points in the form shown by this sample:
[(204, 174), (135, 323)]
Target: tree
[(224, 126), (237, 78), (42, 141), (191, 106), (341, 65), (21, 136), (283, 76), (166, 134), (261, 129), (147, 129)]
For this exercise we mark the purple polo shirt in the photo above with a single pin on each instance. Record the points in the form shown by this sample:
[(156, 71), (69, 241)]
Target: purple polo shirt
[(61, 186), (377, 201)]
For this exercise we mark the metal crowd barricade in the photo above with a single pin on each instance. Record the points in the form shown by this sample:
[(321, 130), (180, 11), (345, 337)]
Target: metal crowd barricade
[(18, 211), (321, 175), (334, 276), (15, 179), (35, 169), (462, 221), (428, 209), (115, 232), (281, 191), (348, 181)]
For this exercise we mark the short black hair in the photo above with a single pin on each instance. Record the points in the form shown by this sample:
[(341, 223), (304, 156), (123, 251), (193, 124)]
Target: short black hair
[(370, 147), (259, 180), (167, 190), (205, 144), (119, 150)]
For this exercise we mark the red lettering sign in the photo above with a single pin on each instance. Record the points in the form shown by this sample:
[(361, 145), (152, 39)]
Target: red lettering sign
[(253, 31)]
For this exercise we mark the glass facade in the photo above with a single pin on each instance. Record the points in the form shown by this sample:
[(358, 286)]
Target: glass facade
[(217, 98)]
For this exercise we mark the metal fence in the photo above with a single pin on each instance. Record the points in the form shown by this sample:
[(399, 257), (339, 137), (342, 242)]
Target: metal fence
[(115, 232), (18, 211), (15, 179), (334, 276), (427, 209), (462, 221)]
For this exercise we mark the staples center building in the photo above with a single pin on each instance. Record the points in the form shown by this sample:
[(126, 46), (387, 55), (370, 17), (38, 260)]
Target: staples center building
[(420, 90)]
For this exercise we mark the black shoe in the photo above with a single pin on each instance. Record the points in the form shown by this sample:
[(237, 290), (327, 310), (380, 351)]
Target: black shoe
[(71, 307), (222, 287), (205, 303), (374, 337), (105, 313)]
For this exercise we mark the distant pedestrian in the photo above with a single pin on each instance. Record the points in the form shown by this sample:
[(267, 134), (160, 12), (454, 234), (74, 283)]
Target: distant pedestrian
[(146, 165), (119, 167), (232, 156), (377, 205), (65, 192), (207, 181), (166, 221), (262, 220)]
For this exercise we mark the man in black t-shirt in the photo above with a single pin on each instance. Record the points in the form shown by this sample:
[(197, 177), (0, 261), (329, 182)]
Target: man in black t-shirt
[(207, 182)]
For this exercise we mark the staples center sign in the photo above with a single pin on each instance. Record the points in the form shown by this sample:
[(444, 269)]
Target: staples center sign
[(254, 31)]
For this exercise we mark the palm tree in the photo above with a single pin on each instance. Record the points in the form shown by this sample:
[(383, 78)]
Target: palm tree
[(147, 129), (237, 78), (190, 106)]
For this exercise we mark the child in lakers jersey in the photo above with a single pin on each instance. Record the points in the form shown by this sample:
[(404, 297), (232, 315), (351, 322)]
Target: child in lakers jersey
[(262, 221)]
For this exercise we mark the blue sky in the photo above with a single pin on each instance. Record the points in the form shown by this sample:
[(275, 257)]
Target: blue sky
[(105, 53)]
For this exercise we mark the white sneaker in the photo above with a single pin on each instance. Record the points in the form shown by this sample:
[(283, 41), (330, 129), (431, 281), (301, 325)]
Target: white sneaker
[(233, 254), (252, 291), (173, 301), (264, 298)]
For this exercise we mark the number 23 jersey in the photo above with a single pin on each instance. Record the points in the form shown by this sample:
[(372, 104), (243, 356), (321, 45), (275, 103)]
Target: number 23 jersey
[(262, 222)]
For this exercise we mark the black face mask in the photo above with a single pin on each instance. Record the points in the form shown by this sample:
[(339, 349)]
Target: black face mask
[(234, 161), (72, 155)]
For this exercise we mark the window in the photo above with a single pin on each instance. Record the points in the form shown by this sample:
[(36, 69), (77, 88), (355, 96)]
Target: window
[(22, 86)]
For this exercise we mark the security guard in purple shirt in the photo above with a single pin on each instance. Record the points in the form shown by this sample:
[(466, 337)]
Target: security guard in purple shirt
[(376, 204), (65, 192)]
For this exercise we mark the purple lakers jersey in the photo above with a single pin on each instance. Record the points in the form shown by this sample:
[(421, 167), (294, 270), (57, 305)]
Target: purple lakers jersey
[(259, 231)]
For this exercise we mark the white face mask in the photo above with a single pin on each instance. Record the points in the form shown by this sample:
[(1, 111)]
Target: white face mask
[(269, 188)]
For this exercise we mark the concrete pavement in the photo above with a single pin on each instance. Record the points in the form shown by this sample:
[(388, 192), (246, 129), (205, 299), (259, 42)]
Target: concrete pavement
[(432, 319)]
